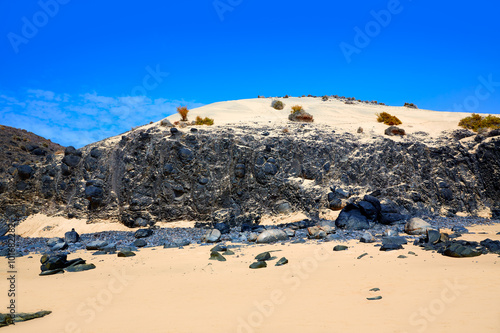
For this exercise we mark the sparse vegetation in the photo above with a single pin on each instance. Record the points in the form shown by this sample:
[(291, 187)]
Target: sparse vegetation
[(477, 123), (388, 119), (204, 121), (296, 108), (278, 105), (183, 111), (411, 105)]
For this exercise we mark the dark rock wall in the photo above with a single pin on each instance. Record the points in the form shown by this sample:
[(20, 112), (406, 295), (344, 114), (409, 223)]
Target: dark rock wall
[(156, 176)]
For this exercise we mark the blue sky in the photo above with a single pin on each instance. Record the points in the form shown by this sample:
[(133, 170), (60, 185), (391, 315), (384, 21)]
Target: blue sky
[(78, 71)]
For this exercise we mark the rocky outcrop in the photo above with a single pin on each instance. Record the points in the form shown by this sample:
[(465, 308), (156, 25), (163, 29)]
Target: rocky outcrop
[(233, 174)]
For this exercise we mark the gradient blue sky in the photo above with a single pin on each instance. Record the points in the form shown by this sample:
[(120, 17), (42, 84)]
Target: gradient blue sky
[(80, 71)]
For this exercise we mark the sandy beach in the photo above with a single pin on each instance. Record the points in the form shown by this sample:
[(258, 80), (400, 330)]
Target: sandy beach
[(180, 290)]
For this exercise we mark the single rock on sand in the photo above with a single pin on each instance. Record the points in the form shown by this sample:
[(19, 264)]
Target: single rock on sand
[(376, 298), (124, 254), (263, 256), (271, 236), (340, 248), (212, 236), (282, 261), (417, 226), (258, 264), (214, 255)]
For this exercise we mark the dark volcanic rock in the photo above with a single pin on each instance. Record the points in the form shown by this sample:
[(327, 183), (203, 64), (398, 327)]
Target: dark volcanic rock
[(143, 233), (258, 264), (352, 218), (71, 236), (281, 262)]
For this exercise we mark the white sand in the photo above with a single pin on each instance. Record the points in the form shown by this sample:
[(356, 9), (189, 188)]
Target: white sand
[(333, 113), (172, 290)]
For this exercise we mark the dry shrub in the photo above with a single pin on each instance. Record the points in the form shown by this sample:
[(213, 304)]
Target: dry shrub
[(296, 108), (183, 111), (388, 119), (203, 121), (476, 123)]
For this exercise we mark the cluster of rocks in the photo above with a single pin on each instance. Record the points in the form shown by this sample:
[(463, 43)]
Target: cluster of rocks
[(59, 263)]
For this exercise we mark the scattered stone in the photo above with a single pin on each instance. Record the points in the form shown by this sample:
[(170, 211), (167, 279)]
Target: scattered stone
[(367, 237), (71, 236), (60, 246), (96, 245), (375, 289), (271, 236), (143, 233), (316, 232), (363, 255), (124, 254), (52, 272), (80, 268), (140, 243), (433, 236), (258, 264), (376, 298), (401, 256), (219, 248), (394, 130), (214, 255), (391, 247), (417, 226), (53, 241), (460, 229), (263, 256), (252, 237), (212, 236), (412, 253), (282, 261), (228, 253), (289, 232), (340, 248), (457, 250)]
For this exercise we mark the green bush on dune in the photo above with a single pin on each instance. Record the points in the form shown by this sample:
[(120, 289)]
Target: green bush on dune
[(476, 122)]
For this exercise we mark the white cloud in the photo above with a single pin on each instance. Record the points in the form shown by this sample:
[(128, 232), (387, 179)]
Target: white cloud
[(80, 120)]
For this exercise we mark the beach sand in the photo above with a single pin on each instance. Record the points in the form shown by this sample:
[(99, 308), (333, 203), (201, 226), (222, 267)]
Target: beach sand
[(180, 290)]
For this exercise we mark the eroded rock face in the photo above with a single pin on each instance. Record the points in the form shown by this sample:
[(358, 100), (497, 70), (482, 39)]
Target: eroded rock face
[(153, 175)]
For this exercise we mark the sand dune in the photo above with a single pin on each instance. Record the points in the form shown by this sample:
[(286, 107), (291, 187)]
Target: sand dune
[(332, 112)]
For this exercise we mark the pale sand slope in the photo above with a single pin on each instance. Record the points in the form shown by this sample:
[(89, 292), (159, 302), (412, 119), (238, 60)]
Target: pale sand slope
[(171, 290), (333, 112)]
